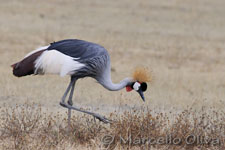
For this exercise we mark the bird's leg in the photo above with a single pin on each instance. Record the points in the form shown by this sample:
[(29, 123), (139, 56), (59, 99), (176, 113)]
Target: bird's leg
[(62, 103), (65, 94), (99, 117), (70, 102)]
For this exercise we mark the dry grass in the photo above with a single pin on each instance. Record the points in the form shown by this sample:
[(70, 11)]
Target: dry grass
[(182, 42), (28, 127)]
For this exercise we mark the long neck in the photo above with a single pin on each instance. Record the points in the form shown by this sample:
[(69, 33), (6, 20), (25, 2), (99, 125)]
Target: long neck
[(106, 82)]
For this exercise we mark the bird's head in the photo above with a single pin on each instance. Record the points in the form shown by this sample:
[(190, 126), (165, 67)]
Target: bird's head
[(140, 78)]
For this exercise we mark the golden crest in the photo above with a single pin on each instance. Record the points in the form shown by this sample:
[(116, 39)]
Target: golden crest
[(142, 75)]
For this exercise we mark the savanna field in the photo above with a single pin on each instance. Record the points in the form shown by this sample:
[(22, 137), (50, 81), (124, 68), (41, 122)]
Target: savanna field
[(182, 43)]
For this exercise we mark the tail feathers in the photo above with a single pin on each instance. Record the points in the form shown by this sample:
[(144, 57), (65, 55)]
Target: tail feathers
[(27, 65), (14, 65)]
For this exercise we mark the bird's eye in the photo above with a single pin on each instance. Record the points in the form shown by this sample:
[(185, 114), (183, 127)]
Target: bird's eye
[(143, 86)]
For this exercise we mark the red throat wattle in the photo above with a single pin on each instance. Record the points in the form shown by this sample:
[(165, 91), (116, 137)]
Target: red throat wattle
[(128, 88)]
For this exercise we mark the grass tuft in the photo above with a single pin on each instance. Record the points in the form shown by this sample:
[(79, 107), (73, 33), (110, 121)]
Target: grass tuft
[(29, 127)]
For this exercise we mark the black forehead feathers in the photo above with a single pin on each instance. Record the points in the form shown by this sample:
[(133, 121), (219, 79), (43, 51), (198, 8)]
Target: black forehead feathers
[(132, 85), (143, 86)]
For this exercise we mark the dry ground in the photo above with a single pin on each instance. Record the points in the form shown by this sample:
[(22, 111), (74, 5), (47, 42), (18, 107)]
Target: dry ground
[(182, 42), (27, 127)]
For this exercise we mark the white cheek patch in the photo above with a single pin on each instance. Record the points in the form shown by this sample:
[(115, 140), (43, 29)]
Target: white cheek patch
[(136, 86)]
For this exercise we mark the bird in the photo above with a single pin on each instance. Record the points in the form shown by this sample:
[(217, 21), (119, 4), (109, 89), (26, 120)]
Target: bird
[(78, 59)]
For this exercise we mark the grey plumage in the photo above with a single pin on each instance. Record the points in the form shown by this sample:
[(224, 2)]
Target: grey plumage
[(76, 58), (94, 56), (94, 67), (78, 48)]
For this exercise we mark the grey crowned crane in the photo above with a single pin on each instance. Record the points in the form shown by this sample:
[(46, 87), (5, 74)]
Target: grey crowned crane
[(78, 59)]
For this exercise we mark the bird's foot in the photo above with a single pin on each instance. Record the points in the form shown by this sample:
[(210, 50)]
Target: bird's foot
[(63, 104), (102, 118)]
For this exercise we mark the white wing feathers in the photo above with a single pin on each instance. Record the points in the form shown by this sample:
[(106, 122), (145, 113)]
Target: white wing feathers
[(55, 62)]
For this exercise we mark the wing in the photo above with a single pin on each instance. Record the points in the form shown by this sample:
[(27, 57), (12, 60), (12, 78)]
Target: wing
[(78, 48)]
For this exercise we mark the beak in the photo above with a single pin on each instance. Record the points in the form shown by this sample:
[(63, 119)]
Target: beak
[(141, 94)]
